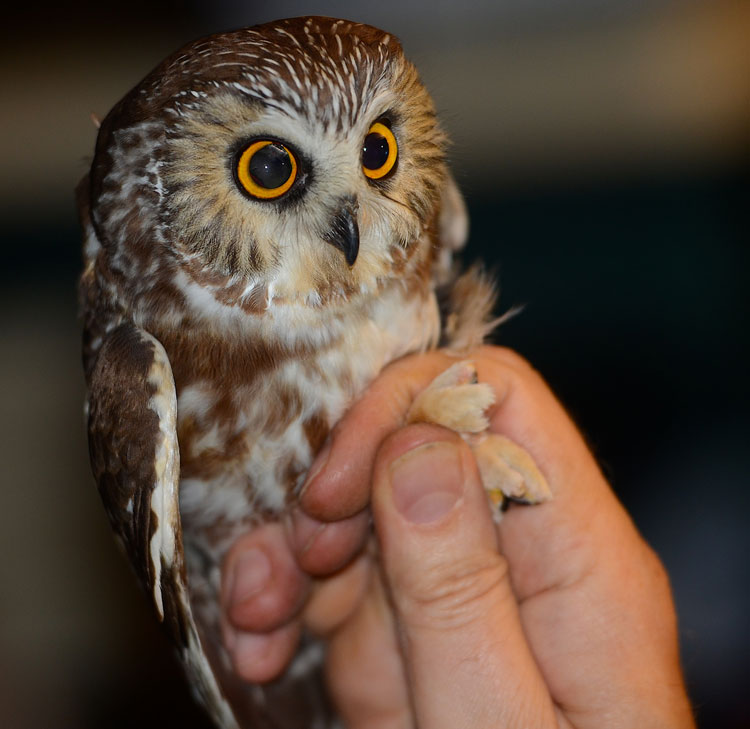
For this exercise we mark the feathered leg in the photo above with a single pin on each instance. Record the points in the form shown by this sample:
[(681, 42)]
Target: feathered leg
[(455, 399)]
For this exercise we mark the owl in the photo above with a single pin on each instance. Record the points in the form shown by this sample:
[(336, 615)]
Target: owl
[(268, 221)]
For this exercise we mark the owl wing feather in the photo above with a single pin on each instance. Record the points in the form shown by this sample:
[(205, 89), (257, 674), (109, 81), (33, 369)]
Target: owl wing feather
[(135, 459)]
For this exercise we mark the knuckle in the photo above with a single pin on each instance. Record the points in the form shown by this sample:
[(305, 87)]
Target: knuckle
[(512, 357), (508, 356), (659, 577), (450, 599), (513, 362)]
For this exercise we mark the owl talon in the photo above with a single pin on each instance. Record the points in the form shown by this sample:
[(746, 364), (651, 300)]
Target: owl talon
[(506, 467), (456, 400)]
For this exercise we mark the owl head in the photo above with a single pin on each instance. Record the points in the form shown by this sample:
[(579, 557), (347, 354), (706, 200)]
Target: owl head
[(297, 162)]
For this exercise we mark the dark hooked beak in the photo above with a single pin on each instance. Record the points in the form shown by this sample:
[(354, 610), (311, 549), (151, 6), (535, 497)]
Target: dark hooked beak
[(344, 232)]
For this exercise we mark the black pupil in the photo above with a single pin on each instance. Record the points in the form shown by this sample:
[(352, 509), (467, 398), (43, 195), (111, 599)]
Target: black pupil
[(270, 166), (375, 151)]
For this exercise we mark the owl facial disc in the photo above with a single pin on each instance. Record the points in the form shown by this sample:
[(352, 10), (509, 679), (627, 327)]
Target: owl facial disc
[(344, 231)]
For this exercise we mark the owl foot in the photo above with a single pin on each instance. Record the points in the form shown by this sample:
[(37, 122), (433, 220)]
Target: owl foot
[(456, 400), (508, 472)]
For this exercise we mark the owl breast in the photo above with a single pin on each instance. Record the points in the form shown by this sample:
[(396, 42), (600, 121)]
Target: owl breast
[(248, 436)]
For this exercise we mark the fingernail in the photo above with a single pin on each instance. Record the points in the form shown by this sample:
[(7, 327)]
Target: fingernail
[(304, 530), (250, 575), (427, 482), (318, 465), (247, 649), (250, 646)]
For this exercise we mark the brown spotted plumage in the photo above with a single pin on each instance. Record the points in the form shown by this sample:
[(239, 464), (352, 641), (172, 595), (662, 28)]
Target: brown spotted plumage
[(227, 329)]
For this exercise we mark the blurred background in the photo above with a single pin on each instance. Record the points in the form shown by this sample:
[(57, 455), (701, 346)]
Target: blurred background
[(604, 149)]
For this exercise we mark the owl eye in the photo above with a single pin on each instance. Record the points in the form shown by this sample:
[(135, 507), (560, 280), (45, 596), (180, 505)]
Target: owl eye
[(266, 169), (379, 151)]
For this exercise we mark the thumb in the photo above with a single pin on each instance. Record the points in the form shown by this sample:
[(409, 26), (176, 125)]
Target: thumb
[(465, 654)]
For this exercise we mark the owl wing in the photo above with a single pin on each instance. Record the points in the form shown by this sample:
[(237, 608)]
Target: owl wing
[(135, 459)]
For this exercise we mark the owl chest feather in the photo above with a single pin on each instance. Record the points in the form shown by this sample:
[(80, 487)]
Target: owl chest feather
[(246, 442)]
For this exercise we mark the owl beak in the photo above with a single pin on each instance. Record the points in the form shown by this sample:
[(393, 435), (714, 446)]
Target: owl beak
[(344, 231)]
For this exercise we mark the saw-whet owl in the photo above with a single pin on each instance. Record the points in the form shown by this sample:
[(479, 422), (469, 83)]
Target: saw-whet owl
[(269, 220)]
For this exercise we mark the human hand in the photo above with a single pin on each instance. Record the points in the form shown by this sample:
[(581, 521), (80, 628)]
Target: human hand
[(560, 617)]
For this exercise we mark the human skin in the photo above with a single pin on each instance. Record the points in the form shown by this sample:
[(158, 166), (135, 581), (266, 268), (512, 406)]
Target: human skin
[(561, 615)]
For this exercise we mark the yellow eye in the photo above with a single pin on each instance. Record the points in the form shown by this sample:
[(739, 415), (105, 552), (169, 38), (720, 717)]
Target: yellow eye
[(266, 169), (379, 151)]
